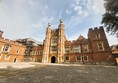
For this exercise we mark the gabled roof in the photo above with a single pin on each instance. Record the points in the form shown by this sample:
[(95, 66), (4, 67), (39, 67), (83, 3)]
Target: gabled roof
[(81, 37)]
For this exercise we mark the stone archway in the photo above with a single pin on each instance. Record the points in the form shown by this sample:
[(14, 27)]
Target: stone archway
[(53, 59)]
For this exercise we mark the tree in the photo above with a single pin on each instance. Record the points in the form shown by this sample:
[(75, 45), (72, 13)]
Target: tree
[(110, 17)]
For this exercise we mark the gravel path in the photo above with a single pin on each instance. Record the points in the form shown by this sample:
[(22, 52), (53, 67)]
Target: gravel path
[(62, 74)]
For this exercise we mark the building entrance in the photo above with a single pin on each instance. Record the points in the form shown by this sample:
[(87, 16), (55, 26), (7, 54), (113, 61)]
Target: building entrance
[(53, 59)]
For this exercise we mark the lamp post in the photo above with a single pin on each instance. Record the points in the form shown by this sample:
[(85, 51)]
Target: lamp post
[(82, 53)]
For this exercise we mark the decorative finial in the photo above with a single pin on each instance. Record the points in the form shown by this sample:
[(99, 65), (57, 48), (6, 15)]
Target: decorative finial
[(49, 24), (61, 21)]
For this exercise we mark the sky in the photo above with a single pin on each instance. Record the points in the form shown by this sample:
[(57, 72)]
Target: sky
[(29, 18)]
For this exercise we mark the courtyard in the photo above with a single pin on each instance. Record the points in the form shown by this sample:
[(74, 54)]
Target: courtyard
[(58, 73)]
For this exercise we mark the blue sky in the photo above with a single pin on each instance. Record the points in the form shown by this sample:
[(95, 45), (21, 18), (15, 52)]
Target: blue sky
[(29, 18)]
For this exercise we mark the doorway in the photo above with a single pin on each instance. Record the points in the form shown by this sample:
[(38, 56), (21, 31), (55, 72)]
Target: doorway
[(53, 59), (15, 60)]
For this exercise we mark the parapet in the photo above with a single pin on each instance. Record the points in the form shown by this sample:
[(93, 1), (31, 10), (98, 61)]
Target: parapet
[(95, 28), (11, 42), (101, 27), (90, 29)]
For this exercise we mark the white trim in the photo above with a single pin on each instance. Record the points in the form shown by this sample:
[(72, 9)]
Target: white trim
[(4, 46), (80, 58), (98, 36), (101, 45), (8, 57), (0, 56)]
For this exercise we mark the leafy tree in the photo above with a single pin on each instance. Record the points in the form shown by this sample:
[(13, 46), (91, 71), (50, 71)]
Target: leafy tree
[(110, 17)]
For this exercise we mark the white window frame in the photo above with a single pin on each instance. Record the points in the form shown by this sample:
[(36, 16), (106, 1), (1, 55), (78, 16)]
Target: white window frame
[(102, 46), (4, 46), (0, 55), (80, 58), (77, 48), (54, 40), (8, 57), (67, 50), (86, 47), (97, 36), (86, 57)]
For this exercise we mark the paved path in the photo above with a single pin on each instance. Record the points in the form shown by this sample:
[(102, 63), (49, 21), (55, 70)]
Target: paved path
[(63, 73)]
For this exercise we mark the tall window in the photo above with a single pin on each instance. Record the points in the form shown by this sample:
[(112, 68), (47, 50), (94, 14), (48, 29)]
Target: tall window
[(86, 48), (97, 36), (78, 58), (54, 40), (76, 49), (67, 49), (59, 50), (100, 46), (53, 48), (6, 48), (86, 58)]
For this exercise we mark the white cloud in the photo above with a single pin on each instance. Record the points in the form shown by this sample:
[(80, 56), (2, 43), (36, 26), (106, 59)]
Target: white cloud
[(68, 11), (51, 19), (29, 18), (77, 2), (112, 39), (46, 6), (13, 18), (74, 36), (19, 19), (76, 8)]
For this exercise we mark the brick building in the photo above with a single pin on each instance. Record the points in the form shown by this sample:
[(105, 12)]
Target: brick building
[(94, 49), (11, 51), (56, 48), (114, 49), (36, 53)]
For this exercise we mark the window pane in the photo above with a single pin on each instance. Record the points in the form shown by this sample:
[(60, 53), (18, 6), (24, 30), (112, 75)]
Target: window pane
[(67, 58)]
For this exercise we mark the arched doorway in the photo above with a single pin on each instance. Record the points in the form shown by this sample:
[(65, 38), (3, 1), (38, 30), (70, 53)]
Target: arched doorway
[(53, 59)]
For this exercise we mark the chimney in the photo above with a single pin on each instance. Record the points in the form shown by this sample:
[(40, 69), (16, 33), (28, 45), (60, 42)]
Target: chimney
[(1, 32)]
